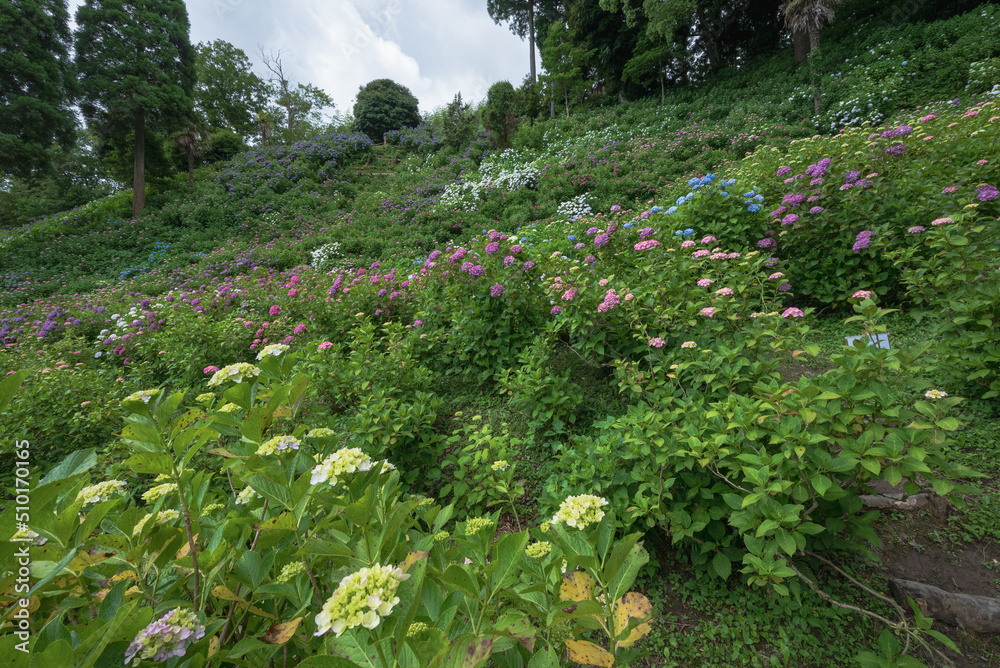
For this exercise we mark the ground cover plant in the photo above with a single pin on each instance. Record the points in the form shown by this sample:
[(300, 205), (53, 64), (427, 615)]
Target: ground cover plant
[(583, 401)]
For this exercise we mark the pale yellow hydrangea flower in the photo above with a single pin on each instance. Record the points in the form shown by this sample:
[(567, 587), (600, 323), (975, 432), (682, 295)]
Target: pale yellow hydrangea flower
[(580, 511), (153, 493), (101, 491), (361, 599), (235, 373)]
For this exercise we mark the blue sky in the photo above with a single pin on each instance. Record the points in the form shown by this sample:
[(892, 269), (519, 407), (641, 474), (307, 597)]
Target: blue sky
[(436, 48)]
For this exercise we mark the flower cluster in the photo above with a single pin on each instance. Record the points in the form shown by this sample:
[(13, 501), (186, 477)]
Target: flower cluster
[(272, 350), (164, 517), (580, 511), (166, 638), (538, 550), (862, 241), (142, 395), (339, 464), (611, 301), (477, 524), (235, 373), (246, 495), (290, 571), (501, 465), (935, 394), (278, 444), (101, 491), (361, 599), (153, 493)]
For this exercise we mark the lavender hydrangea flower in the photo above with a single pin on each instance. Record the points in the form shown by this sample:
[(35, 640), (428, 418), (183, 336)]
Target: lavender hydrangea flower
[(166, 638), (601, 240), (496, 290), (862, 241), (986, 192)]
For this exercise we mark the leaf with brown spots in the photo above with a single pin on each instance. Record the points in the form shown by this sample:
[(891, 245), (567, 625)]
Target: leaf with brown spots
[(577, 586), (589, 654), (412, 558), (632, 604), (279, 634)]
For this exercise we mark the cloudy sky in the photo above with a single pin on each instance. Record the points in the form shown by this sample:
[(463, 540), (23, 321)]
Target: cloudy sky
[(436, 48)]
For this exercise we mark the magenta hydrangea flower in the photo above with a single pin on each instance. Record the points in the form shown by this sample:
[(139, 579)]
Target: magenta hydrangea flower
[(816, 209), (476, 270), (326, 345), (862, 294), (555, 310), (646, 245), (709, 239), (705, 282), (646, 232), (299, 328), (509, 260), (657, 342), (793, 199), (766, 242), (211, 369), (611, 300), (949, 190), (708, 311), (496, 290), (527, 265), (938, 222), (590, 259), (569, 295), (793, 313), (458, 255), (686, 244), (274, 311), (601, 240), (790, 219), (492, 247), (293, 292), (514, 250)]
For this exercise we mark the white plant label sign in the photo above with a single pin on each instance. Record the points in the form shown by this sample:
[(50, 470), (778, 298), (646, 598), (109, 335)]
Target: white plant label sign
[(880, 340)]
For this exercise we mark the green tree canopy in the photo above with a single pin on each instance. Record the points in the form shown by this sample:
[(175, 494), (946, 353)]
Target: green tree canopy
[(136, 71), (498, 112), (384, 105), (228, 94), (36, 83)]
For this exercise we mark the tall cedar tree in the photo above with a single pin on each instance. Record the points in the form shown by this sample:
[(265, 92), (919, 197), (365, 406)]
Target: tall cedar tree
[(36, 83), (137, 72), (522, 16)]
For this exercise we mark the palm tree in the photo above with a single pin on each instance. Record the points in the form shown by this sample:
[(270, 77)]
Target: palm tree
[(805, 18), (195, 140)]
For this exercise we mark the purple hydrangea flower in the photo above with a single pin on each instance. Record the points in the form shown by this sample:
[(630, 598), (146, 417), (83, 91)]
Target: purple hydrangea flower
[(862, 241), (492, 247), (601, 240), (496, 290), (985, 193)]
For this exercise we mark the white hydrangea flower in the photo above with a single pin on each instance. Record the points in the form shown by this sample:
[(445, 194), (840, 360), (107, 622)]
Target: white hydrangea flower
[(142, 395), (272, 350), (340, 463), (164, 517), (101, 491), (246, 496), (235, 373), (278, 444), (153, 493), (580, 511), (361, 599)]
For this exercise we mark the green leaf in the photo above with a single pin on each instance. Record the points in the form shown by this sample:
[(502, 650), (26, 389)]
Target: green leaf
[(467, 651), (722, 565), (507, 556), (327, 662), (153, 463), (75, 463), (458, 578), (9, 387)]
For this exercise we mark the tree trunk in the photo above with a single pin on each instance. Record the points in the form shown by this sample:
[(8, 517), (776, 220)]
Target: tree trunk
[(663, 90), (531, 38), (190, 152), (566, 97), (552, 101), (800, 39), (139, 173)]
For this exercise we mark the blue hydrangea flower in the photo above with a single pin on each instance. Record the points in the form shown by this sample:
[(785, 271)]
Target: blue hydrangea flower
[(753, 208), (678, 233), (572, 237), (671, 211), (749, 194), (688, 232), (724, 193)]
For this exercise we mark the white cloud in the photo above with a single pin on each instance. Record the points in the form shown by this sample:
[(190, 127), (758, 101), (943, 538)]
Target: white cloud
[(434, 47)]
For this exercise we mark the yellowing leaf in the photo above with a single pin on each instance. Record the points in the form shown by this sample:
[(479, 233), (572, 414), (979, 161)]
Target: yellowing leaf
[(85, 559), (185, 549), (279, 634), (213, 646), (589, 654), (257, 611), (282, 411), (577, 586), (412, 558), (226, 594), (632, 604)]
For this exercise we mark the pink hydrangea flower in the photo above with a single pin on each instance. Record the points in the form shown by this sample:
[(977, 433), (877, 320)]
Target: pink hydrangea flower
[(862, 294), (646, 245), (687, 244), (326, 345), (708, 311), (211, 369), (299, 328), (705, 282), (724, 292), (657, 342), (792, 313), (274, 311), (938, 222)]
